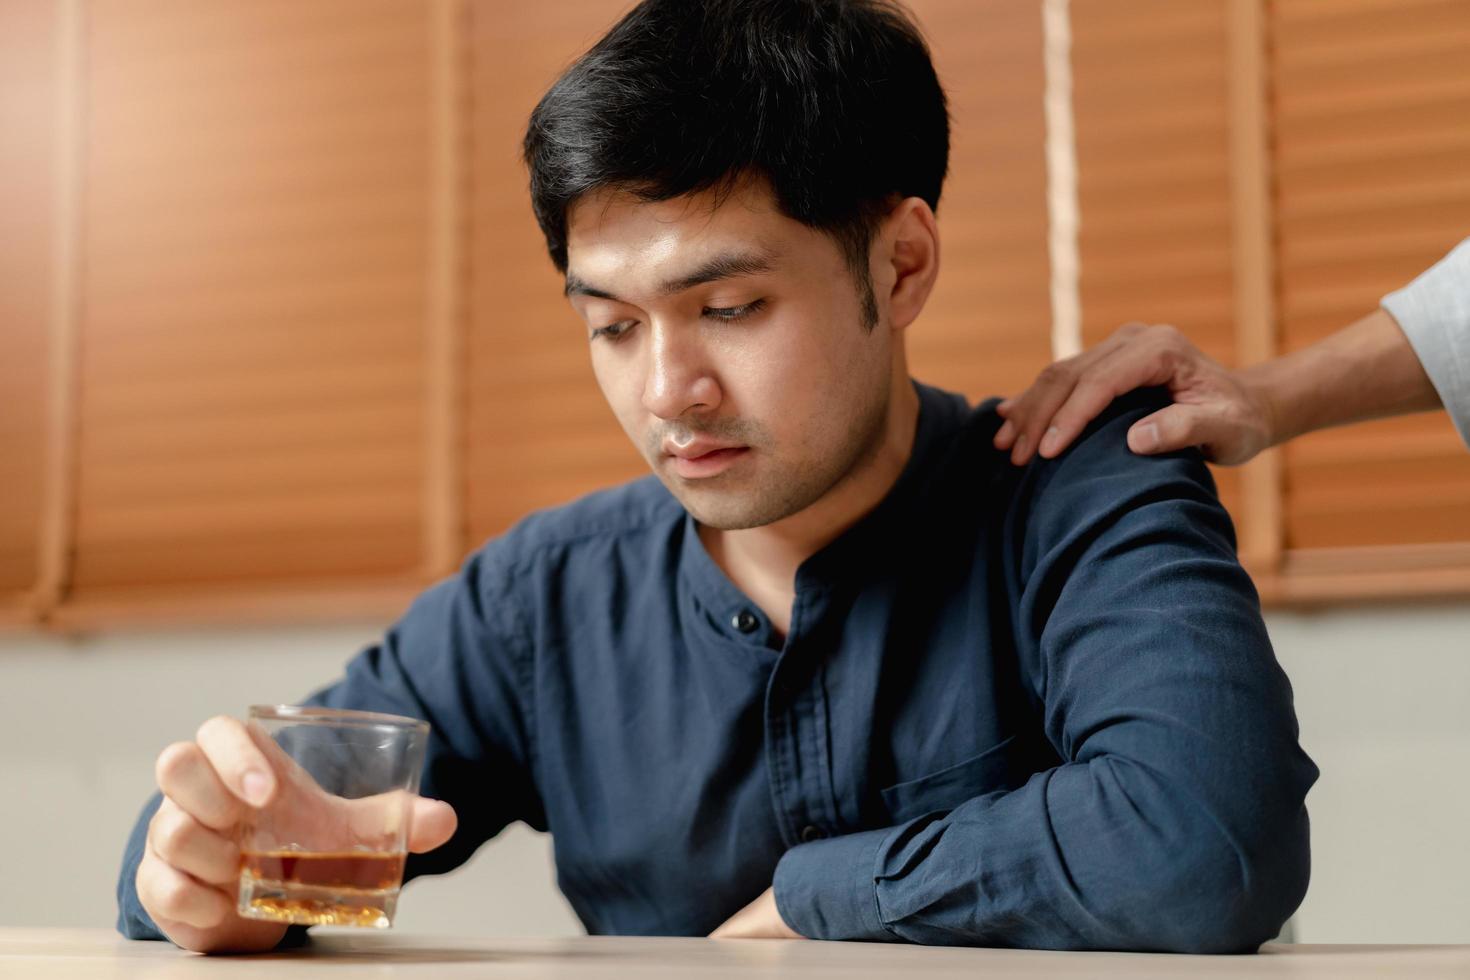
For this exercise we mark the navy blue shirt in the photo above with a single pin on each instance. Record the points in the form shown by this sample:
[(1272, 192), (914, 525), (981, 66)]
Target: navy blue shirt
[(1019, 707)]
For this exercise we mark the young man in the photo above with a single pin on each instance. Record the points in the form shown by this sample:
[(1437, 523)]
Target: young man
[(838, 669)]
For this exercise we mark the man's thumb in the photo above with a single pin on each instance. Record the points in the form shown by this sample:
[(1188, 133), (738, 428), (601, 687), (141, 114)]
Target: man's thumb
[(431, 824)]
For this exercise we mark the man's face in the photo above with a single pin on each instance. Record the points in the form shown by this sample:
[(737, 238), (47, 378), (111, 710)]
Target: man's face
[(730, 345)]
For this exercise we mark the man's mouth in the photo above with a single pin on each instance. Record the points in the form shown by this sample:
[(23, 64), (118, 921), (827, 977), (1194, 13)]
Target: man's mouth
[(698, 462)]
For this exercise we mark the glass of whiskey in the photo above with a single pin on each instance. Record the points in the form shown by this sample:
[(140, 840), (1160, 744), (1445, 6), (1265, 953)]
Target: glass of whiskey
[(329, 849)]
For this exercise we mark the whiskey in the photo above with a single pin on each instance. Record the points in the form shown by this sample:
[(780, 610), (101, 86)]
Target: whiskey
[(341, 888)]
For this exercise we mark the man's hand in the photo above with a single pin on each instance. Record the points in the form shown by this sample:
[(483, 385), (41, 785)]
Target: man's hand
[(758, 920), (188, 878), (1215, 409)]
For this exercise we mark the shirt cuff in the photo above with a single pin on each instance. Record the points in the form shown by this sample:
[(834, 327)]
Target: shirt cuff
[(828, 889), (1434, 313)]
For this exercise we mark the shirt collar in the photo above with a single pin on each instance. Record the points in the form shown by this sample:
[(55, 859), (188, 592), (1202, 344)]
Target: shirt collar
[(941, 413)]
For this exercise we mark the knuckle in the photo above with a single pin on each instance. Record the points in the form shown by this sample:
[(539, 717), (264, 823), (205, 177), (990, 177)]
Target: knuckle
[(178, 895), (216, 727), (174, 836), (143, 883), (206, 909), (1087, 392), (1172, 357), (1055, 373), (1130, 329), (166, 894), (173, 762)]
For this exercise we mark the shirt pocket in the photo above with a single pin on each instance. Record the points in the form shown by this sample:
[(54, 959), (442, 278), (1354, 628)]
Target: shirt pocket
[(998, 768)]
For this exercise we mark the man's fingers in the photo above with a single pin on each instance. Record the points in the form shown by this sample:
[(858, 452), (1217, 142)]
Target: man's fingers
[(240, 763), (431, 824), (376, 820), (186, 776), (168, 893), (186, 844)]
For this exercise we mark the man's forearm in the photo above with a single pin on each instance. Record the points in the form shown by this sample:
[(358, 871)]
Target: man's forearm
[(1364, 371), (1175, 819)]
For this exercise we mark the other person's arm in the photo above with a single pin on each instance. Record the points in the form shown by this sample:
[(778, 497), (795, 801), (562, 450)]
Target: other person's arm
[(1411, 355)]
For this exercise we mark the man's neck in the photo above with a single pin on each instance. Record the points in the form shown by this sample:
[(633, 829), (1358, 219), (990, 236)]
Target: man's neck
[(763, 561)]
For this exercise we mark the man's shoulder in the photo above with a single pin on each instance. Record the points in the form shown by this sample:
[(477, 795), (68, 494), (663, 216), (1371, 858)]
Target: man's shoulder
[(1098, 478), (1108, 432), (625, 515)]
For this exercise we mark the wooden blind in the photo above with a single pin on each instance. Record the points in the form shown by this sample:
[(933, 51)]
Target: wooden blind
[(539, 432), (280, 373), (987, 327), (28, 96), (1371, 120), (1151, 106), (255, 293)]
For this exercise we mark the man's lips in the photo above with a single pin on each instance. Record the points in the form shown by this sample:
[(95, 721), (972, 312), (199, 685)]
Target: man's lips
[(696, 449), (698, 461)]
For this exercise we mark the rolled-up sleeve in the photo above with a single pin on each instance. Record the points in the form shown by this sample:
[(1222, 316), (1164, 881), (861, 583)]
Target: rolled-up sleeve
[(1434, 312)]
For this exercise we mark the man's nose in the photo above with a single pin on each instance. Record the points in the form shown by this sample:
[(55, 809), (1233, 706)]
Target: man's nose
[(680, 378)]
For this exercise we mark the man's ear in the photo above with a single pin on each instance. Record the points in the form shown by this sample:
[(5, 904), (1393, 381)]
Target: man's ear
[(909, 254)]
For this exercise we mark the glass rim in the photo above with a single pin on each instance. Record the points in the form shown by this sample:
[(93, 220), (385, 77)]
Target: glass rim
[(336, 717)]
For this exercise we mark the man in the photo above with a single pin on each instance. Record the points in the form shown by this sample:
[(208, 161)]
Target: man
[(1410, 355), (837, 670)]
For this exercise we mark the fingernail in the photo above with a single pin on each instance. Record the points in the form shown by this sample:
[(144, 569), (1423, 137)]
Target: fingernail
[(1147, 438), (256, 787), (1019, 453), (1049, 441)]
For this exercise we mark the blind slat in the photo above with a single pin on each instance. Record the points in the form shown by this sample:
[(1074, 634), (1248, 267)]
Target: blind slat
[(255, 287), (28, 168), (1372, 187)]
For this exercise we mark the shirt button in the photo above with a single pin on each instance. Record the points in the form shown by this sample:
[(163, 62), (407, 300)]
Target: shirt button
[(745, 621), (811, 833)]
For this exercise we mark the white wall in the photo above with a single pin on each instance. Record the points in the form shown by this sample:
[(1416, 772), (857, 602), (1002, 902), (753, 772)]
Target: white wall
[(1383, 696), (83, 721)]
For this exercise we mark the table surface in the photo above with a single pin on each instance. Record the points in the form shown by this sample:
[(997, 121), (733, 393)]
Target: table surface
[(102, 955)]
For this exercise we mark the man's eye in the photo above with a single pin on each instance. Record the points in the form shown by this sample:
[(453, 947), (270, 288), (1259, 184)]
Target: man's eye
[(734, 312), (612, 331)]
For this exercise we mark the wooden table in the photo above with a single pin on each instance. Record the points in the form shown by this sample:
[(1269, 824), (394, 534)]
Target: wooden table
[(40, 954)]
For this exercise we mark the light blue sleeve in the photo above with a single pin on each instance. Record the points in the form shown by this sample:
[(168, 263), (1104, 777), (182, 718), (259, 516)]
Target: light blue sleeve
[(1434, 312)]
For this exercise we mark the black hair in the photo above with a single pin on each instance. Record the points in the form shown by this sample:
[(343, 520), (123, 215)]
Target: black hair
[(834, 103)]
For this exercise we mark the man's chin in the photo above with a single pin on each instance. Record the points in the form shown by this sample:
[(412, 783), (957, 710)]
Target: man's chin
[(721, 511), (729, 507)]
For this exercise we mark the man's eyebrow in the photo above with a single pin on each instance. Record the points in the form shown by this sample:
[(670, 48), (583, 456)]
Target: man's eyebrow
[(727, 266)]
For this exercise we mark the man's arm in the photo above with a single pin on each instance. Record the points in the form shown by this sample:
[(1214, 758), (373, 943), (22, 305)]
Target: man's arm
[(1411, 355), (1176, 821), (457, 659)]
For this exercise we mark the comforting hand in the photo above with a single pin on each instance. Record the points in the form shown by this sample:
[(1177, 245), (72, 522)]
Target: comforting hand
[(758, 920), (1214, 408)]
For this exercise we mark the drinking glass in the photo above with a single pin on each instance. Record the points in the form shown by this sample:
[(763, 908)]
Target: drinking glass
[(330, 846)]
